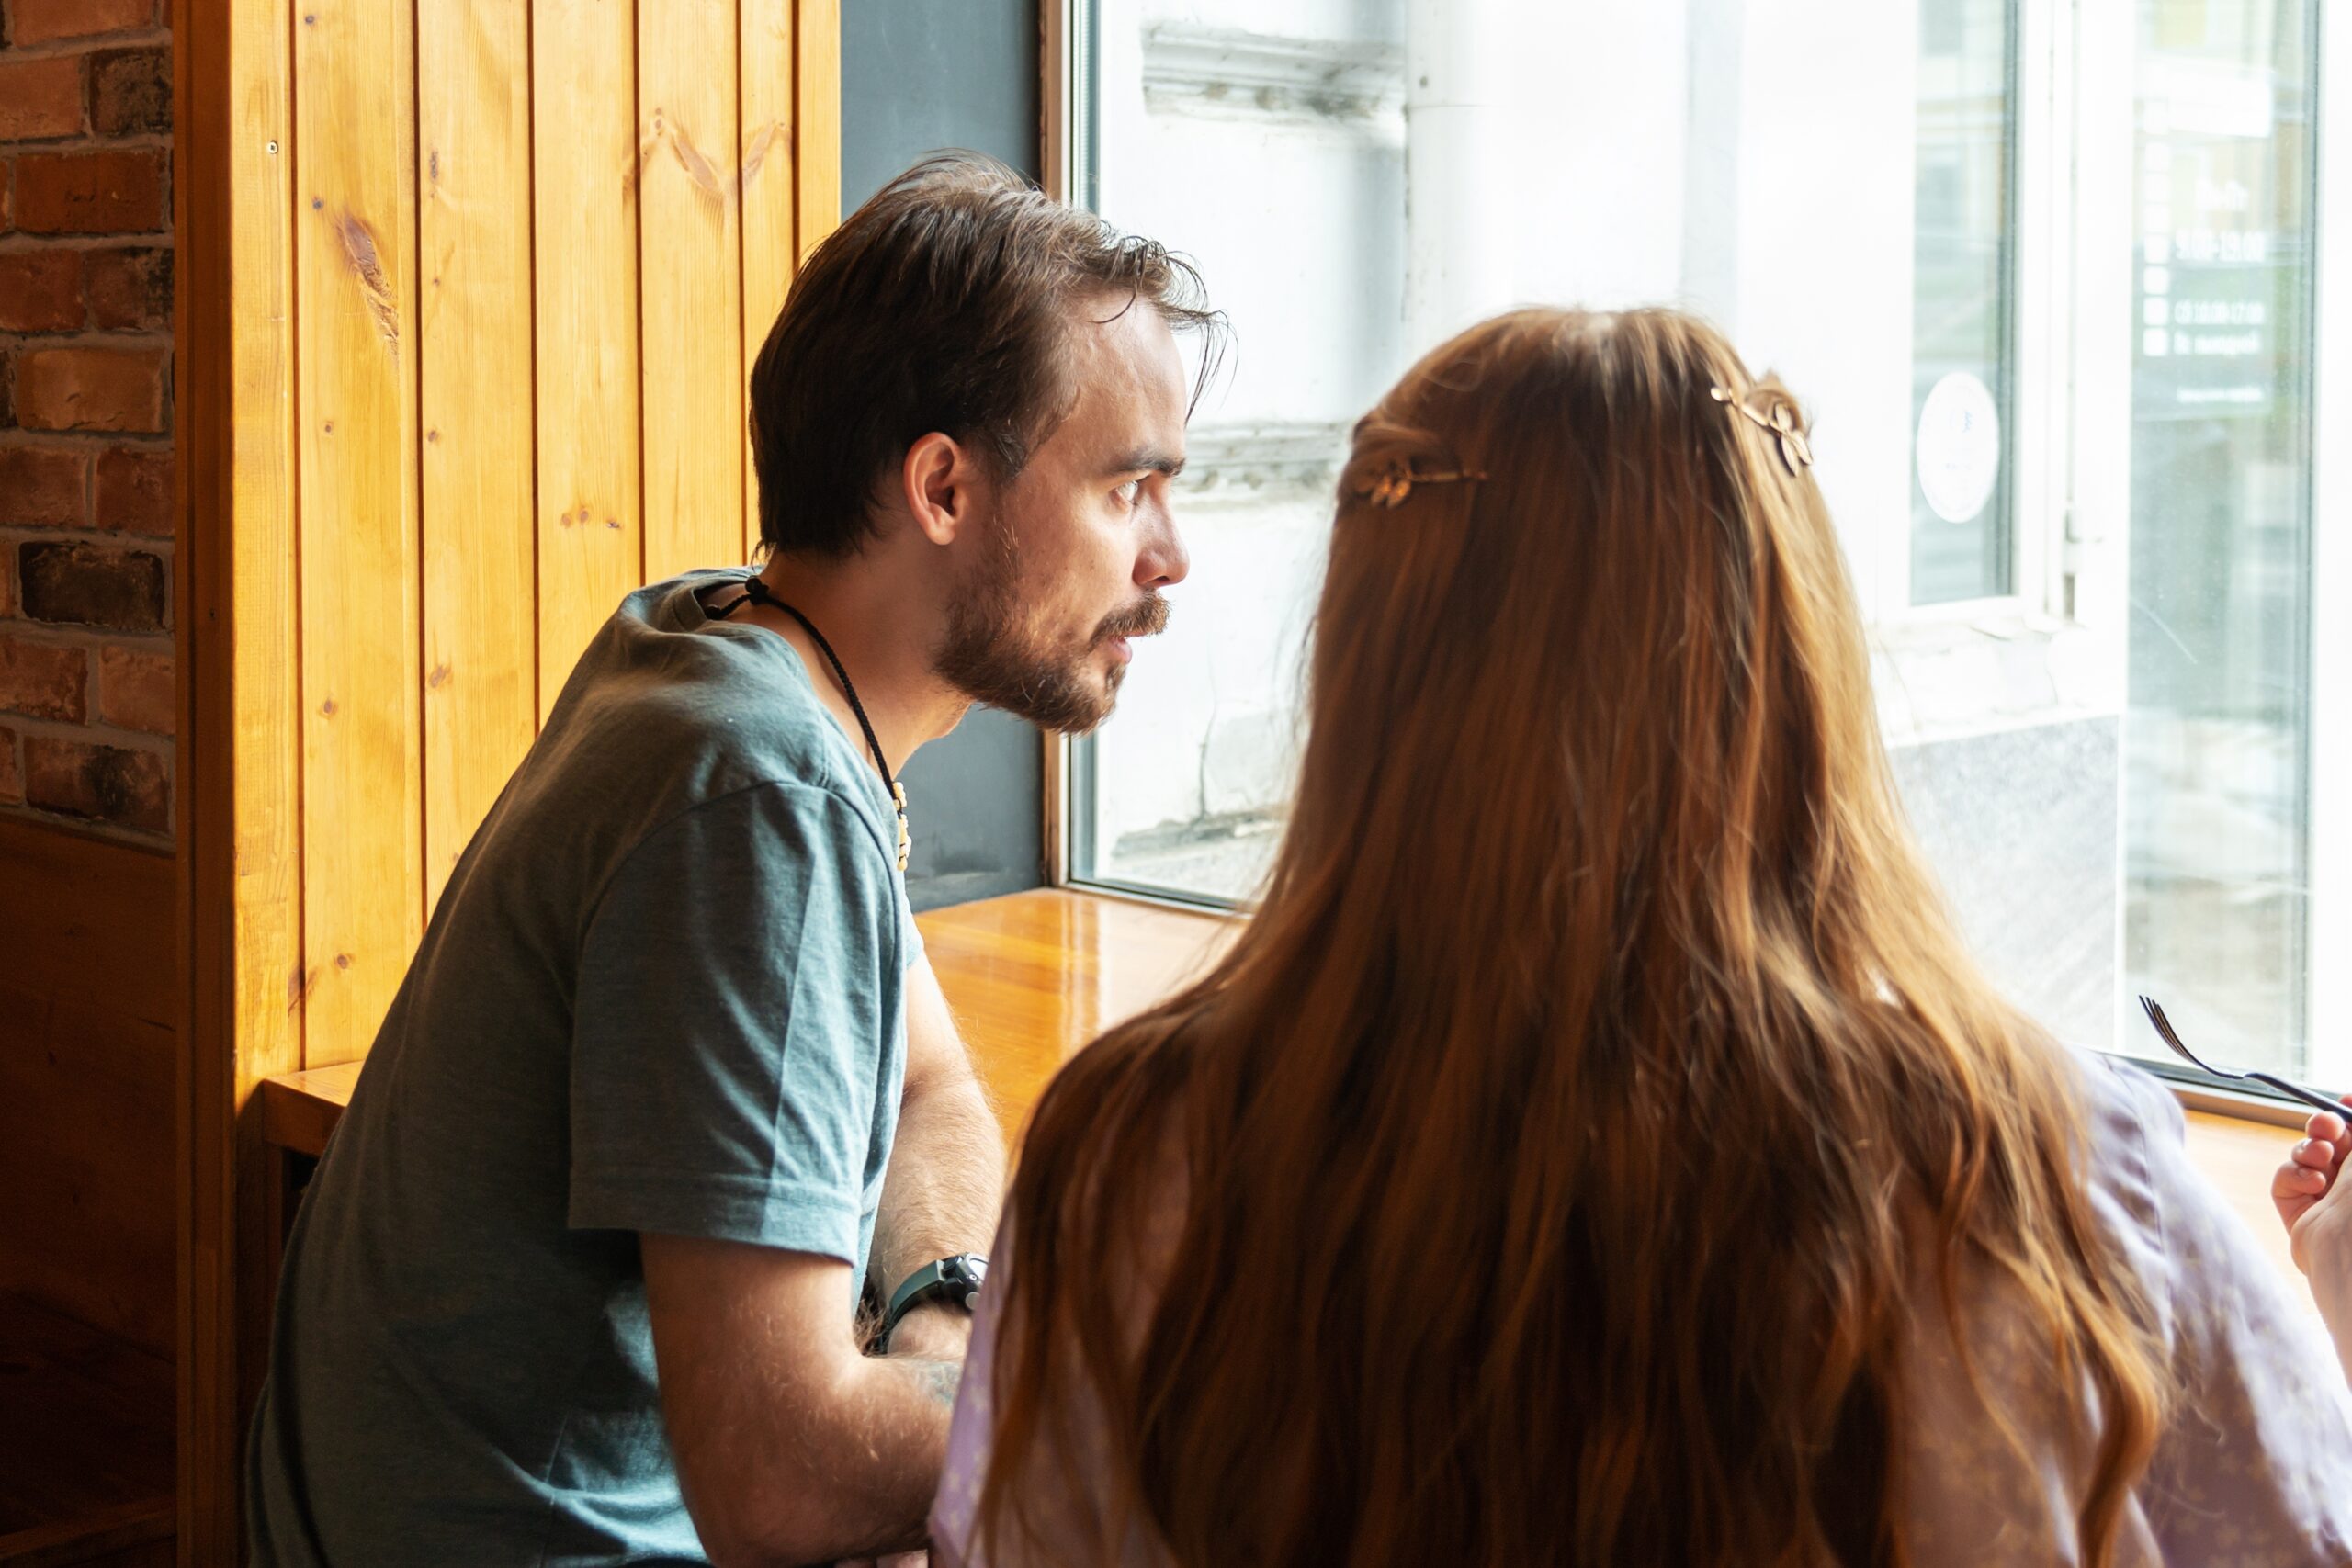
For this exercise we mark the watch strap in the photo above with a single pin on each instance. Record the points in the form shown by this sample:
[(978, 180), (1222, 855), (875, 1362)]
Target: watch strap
[(954, 1280)]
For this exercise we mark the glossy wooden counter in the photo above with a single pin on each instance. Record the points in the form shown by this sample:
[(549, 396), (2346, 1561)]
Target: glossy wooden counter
[(2238, 1157), (1033, 976)]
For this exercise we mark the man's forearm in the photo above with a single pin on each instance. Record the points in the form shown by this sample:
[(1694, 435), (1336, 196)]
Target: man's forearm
[(946, 1180), (870, 1459), (900, 1420), (791, 1447)]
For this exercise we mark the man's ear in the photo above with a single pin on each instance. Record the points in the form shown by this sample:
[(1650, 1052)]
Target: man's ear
[(940, 485)]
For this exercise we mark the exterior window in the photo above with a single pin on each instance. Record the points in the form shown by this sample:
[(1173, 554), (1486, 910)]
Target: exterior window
[(1961, 301), (2217, 789), (2045, 276)]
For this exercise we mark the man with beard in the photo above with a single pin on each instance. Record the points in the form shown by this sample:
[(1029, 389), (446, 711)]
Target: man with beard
[(669, 1079)]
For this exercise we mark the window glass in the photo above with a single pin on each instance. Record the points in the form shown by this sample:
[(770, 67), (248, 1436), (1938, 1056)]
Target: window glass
[(2216, 790), (2062, 407), (1961, 323)]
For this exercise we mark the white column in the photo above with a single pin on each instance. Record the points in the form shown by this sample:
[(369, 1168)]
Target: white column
[(1458, 193)]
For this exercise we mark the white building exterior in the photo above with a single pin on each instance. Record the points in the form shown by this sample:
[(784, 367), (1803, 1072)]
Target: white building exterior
[(2123, 751)]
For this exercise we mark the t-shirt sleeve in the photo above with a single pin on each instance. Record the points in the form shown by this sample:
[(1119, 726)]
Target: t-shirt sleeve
[(909, 934), (727, 1046)]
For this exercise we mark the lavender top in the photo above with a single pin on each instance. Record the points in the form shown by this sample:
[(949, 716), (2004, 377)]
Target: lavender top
[(2254, 1469)]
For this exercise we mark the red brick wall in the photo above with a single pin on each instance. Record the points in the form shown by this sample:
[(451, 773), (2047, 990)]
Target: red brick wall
[(86, 505)]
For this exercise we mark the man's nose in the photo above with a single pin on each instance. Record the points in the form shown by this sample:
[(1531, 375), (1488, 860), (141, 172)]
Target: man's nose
[(1164, 561)]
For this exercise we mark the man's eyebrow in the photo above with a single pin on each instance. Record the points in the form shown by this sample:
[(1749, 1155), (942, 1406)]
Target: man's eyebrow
[(1151, 459)]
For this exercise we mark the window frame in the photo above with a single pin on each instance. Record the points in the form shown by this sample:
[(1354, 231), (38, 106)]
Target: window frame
[(2069, 442), (2033, 385), (2329, 742)]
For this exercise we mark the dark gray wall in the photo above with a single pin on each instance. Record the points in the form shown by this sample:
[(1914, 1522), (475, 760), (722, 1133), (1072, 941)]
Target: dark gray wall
[(918, 76)]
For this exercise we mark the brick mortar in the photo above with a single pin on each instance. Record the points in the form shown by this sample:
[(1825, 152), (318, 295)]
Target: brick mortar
[(34, 534), (91, 447), (89, 337), (87, 141), (90, 43), (113, 832), (88, 440), (18, 243), (93, 733), (66, 634)]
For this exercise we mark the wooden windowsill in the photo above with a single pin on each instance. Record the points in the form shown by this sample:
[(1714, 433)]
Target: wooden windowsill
[(1033, 976)]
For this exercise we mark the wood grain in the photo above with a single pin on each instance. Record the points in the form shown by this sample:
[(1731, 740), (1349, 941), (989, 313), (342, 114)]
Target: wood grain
[(413, 286), (356, 354), (1031, 978), (133, 1535), (238, 788), (83, 917), (2239, 1158), (87, 1015), (86, 1163), (85, 1440), (769, 198), (299, 1110), (817, 119), (690, 268), (474, 332), (584, 81)]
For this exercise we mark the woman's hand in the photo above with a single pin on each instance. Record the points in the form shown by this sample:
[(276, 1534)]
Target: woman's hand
[(2308, 1191), (2308, 1177)]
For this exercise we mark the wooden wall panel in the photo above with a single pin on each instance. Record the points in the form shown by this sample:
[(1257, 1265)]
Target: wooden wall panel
[(690, 269), (355, 402), (424, 246), (817, 115), (83, 917), (240, 741), (771, 203), (85, 1140), (481, 552), (584, 79), (88, 1012)]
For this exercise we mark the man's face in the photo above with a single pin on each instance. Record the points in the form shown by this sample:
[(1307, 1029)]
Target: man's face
[(1070, 566)]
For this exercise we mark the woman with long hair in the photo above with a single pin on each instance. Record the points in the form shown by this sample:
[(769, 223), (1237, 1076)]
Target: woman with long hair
[(1599, 1148)]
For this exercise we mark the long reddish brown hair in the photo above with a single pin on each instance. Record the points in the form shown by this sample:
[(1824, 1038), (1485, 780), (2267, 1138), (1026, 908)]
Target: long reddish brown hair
[(1563, 1142)]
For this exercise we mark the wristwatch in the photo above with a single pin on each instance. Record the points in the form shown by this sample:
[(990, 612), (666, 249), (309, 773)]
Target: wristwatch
[(955, 1280)]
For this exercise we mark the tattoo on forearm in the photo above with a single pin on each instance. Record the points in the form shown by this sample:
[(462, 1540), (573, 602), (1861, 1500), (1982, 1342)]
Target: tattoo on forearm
[(937, 1378)]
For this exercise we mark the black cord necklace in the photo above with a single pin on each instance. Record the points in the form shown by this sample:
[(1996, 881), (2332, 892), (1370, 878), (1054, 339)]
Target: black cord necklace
[(756, 592)]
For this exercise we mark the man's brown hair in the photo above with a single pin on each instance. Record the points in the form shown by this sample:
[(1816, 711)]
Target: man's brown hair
[(940, 305)]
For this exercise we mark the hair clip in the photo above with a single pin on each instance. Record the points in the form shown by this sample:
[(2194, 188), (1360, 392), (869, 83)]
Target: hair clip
[(1395, 481), (1796, 452)]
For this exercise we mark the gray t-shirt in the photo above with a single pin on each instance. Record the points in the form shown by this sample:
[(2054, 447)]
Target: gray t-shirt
[(663, 991)]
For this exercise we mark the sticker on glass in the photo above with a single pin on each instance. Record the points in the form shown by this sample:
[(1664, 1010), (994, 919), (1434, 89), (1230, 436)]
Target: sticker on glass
[(1958, 447)]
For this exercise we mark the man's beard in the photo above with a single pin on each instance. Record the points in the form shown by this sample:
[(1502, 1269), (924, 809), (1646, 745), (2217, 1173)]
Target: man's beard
[(990, 657)]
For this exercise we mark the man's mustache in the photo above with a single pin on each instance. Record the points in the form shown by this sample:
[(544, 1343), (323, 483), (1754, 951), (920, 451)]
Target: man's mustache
[(1146, 617)]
